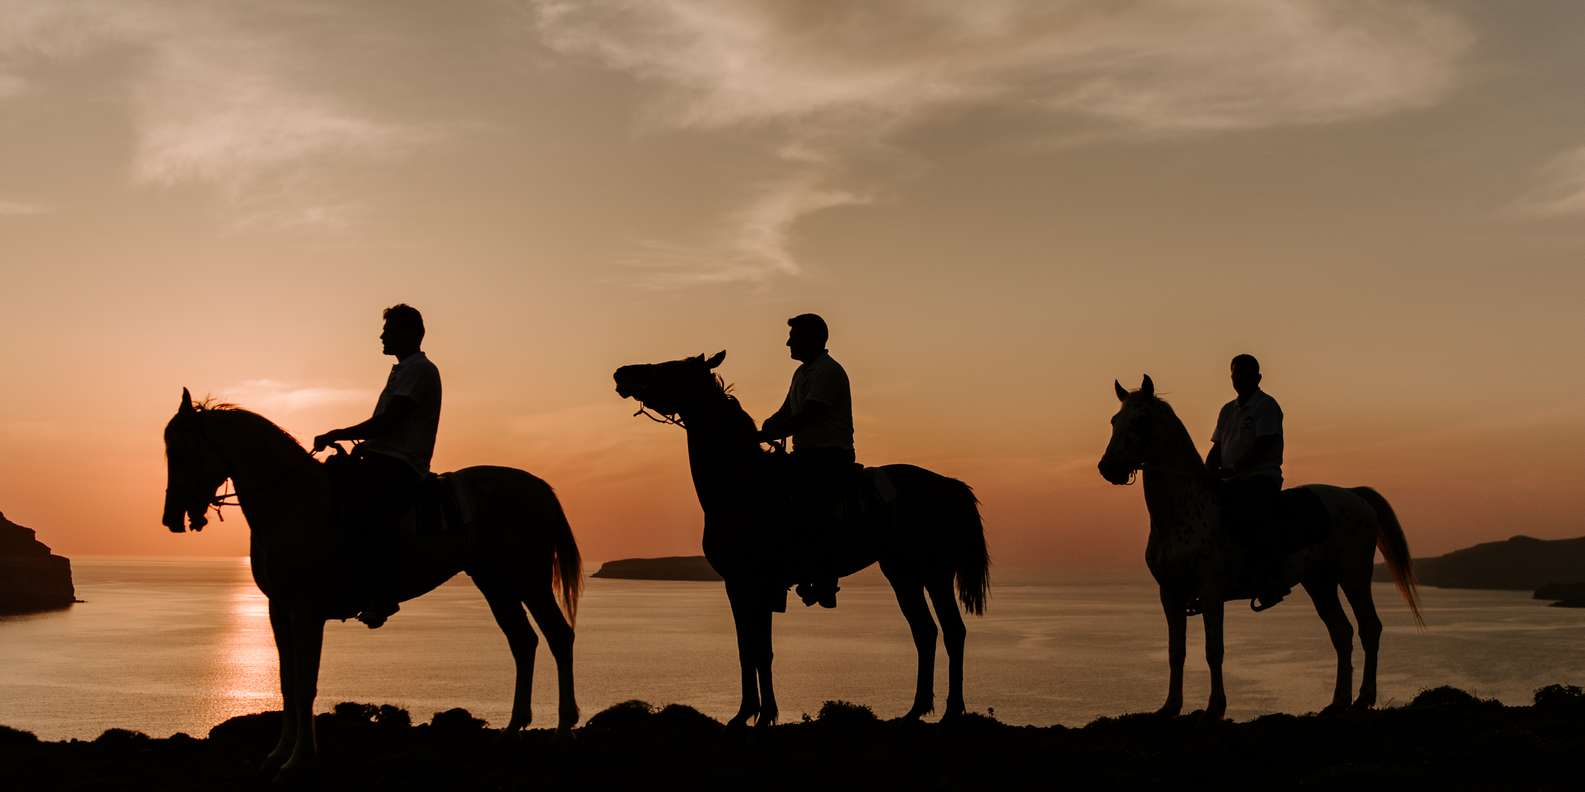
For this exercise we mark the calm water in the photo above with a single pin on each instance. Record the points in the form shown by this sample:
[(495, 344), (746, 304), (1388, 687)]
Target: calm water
[(179, 645)]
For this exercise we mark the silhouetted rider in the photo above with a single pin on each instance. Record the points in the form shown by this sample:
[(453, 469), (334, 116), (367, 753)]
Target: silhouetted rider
[(398, 441), (1246, 453), (818, 414)]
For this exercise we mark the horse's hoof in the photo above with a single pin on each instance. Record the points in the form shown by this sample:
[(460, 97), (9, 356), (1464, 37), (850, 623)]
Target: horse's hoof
[(1335, 708), (765, 720), (739, 720), (953, 712), (1170, 709)]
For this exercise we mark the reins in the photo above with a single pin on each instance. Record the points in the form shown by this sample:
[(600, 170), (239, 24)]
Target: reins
[(672, 419)]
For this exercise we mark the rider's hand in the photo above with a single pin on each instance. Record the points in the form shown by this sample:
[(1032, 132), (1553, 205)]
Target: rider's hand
[(323, 441)]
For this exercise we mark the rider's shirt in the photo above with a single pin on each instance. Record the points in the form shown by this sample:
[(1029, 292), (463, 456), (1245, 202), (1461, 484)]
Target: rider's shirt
[(821, 380), (1239, 425), (412, 440)]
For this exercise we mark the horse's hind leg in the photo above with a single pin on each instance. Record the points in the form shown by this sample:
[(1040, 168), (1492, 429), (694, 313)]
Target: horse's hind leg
[(520, 637), (1324, 595), (911, 598), (1359, 598), (953, 634), (558, 634)]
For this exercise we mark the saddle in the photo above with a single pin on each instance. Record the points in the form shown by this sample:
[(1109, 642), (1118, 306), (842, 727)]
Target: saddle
[(1300, 520), (438, 508)]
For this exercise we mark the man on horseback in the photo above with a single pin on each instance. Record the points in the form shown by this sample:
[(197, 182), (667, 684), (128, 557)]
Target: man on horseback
[(1246, 454), (818, 415), (393, 459)]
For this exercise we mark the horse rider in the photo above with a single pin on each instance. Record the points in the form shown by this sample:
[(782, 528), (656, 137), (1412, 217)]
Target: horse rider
[(818, 415), (1246, 455), (393, 459)]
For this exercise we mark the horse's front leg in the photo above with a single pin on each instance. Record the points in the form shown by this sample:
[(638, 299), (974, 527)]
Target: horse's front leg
[(280, 625), (743, 622), (1177, 637), (1212, 614), (307, 640)]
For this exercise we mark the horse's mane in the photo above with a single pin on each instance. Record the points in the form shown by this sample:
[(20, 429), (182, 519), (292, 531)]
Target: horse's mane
[(1161, 405), (210, 405)]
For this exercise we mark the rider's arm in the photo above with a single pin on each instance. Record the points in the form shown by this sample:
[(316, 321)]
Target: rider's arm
[(397, 408), (790, 424)]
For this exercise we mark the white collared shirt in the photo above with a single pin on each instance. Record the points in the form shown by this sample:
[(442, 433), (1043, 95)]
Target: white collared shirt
[(413, 439), (1239, 425)]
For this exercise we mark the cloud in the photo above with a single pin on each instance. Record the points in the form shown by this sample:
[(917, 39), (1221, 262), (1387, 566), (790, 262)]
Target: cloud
[(268, 394), (839, 77), (757, 244), (1172, 64), (23, 208), (1562, 187), (220, 94)]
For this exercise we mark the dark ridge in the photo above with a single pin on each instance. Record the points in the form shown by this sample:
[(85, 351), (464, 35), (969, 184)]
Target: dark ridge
[(1446, 737), (667, 568), (1522, 563)]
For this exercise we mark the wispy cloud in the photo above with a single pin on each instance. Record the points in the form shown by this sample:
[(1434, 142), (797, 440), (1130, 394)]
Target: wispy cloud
[(757, 243), (1562, 187), (274, 395), (216, 95), (836, 77)]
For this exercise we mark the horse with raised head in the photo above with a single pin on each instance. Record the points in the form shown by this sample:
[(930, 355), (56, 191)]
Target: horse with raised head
[(518, 548), (1198, 563), (925, 532)]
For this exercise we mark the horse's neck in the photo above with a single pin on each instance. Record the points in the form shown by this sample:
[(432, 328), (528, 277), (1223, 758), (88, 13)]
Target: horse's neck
[(269, 472), (1179, 494), (719, 452)]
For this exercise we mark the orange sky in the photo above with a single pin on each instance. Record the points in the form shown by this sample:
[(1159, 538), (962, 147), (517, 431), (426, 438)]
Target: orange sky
[(998, 206)]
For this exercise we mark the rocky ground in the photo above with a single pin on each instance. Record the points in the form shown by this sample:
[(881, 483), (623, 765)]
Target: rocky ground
[(1444, 737)]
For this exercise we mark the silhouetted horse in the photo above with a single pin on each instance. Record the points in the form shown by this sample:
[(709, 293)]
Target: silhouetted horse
[(1195, 560), (519, 550), (925, 536)]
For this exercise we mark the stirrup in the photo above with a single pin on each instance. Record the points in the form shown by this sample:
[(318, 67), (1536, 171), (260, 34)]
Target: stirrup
[(1257, 606)]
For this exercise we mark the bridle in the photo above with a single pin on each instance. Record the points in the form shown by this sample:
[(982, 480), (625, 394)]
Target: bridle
[(216, 502), (671, 419)]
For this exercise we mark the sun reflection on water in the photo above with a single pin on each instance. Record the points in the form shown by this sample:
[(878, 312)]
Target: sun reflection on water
[(245, 663)]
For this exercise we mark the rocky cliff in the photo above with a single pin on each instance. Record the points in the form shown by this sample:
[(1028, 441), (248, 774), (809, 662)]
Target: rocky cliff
[(31, 577)]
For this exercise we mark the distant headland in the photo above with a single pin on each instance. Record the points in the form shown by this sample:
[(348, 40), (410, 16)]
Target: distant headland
[(31, 577), (1552, 568), (668, 568)]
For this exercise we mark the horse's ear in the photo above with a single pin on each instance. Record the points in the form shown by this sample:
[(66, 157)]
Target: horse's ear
[(715, 360), (1147, 386), (1122, 392), (187, 403)]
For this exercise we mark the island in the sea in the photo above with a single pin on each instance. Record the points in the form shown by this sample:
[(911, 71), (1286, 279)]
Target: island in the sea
[(31, 577), (1552, 568), (668, 568)]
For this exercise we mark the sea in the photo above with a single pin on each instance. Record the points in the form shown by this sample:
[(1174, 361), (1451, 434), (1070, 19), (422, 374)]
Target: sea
[(179, 645)]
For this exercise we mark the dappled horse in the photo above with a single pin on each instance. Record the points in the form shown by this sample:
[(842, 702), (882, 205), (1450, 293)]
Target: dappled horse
[(518, 548), (1198, 564), (925, 532)]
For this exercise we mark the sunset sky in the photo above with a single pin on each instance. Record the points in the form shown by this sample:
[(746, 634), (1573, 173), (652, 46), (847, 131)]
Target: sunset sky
[(999, 206)]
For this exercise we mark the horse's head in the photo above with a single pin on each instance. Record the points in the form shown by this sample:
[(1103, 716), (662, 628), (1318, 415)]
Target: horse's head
[(193, 469), (1134, 431), (672, 387)]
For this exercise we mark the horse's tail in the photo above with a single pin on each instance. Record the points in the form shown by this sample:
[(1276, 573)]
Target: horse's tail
[(566, 568), (966, 534), (1394, 548)]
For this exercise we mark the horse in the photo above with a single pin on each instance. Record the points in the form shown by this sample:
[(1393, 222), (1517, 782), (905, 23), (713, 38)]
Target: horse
[(518, 548), (924, 537), (1194, 559)]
